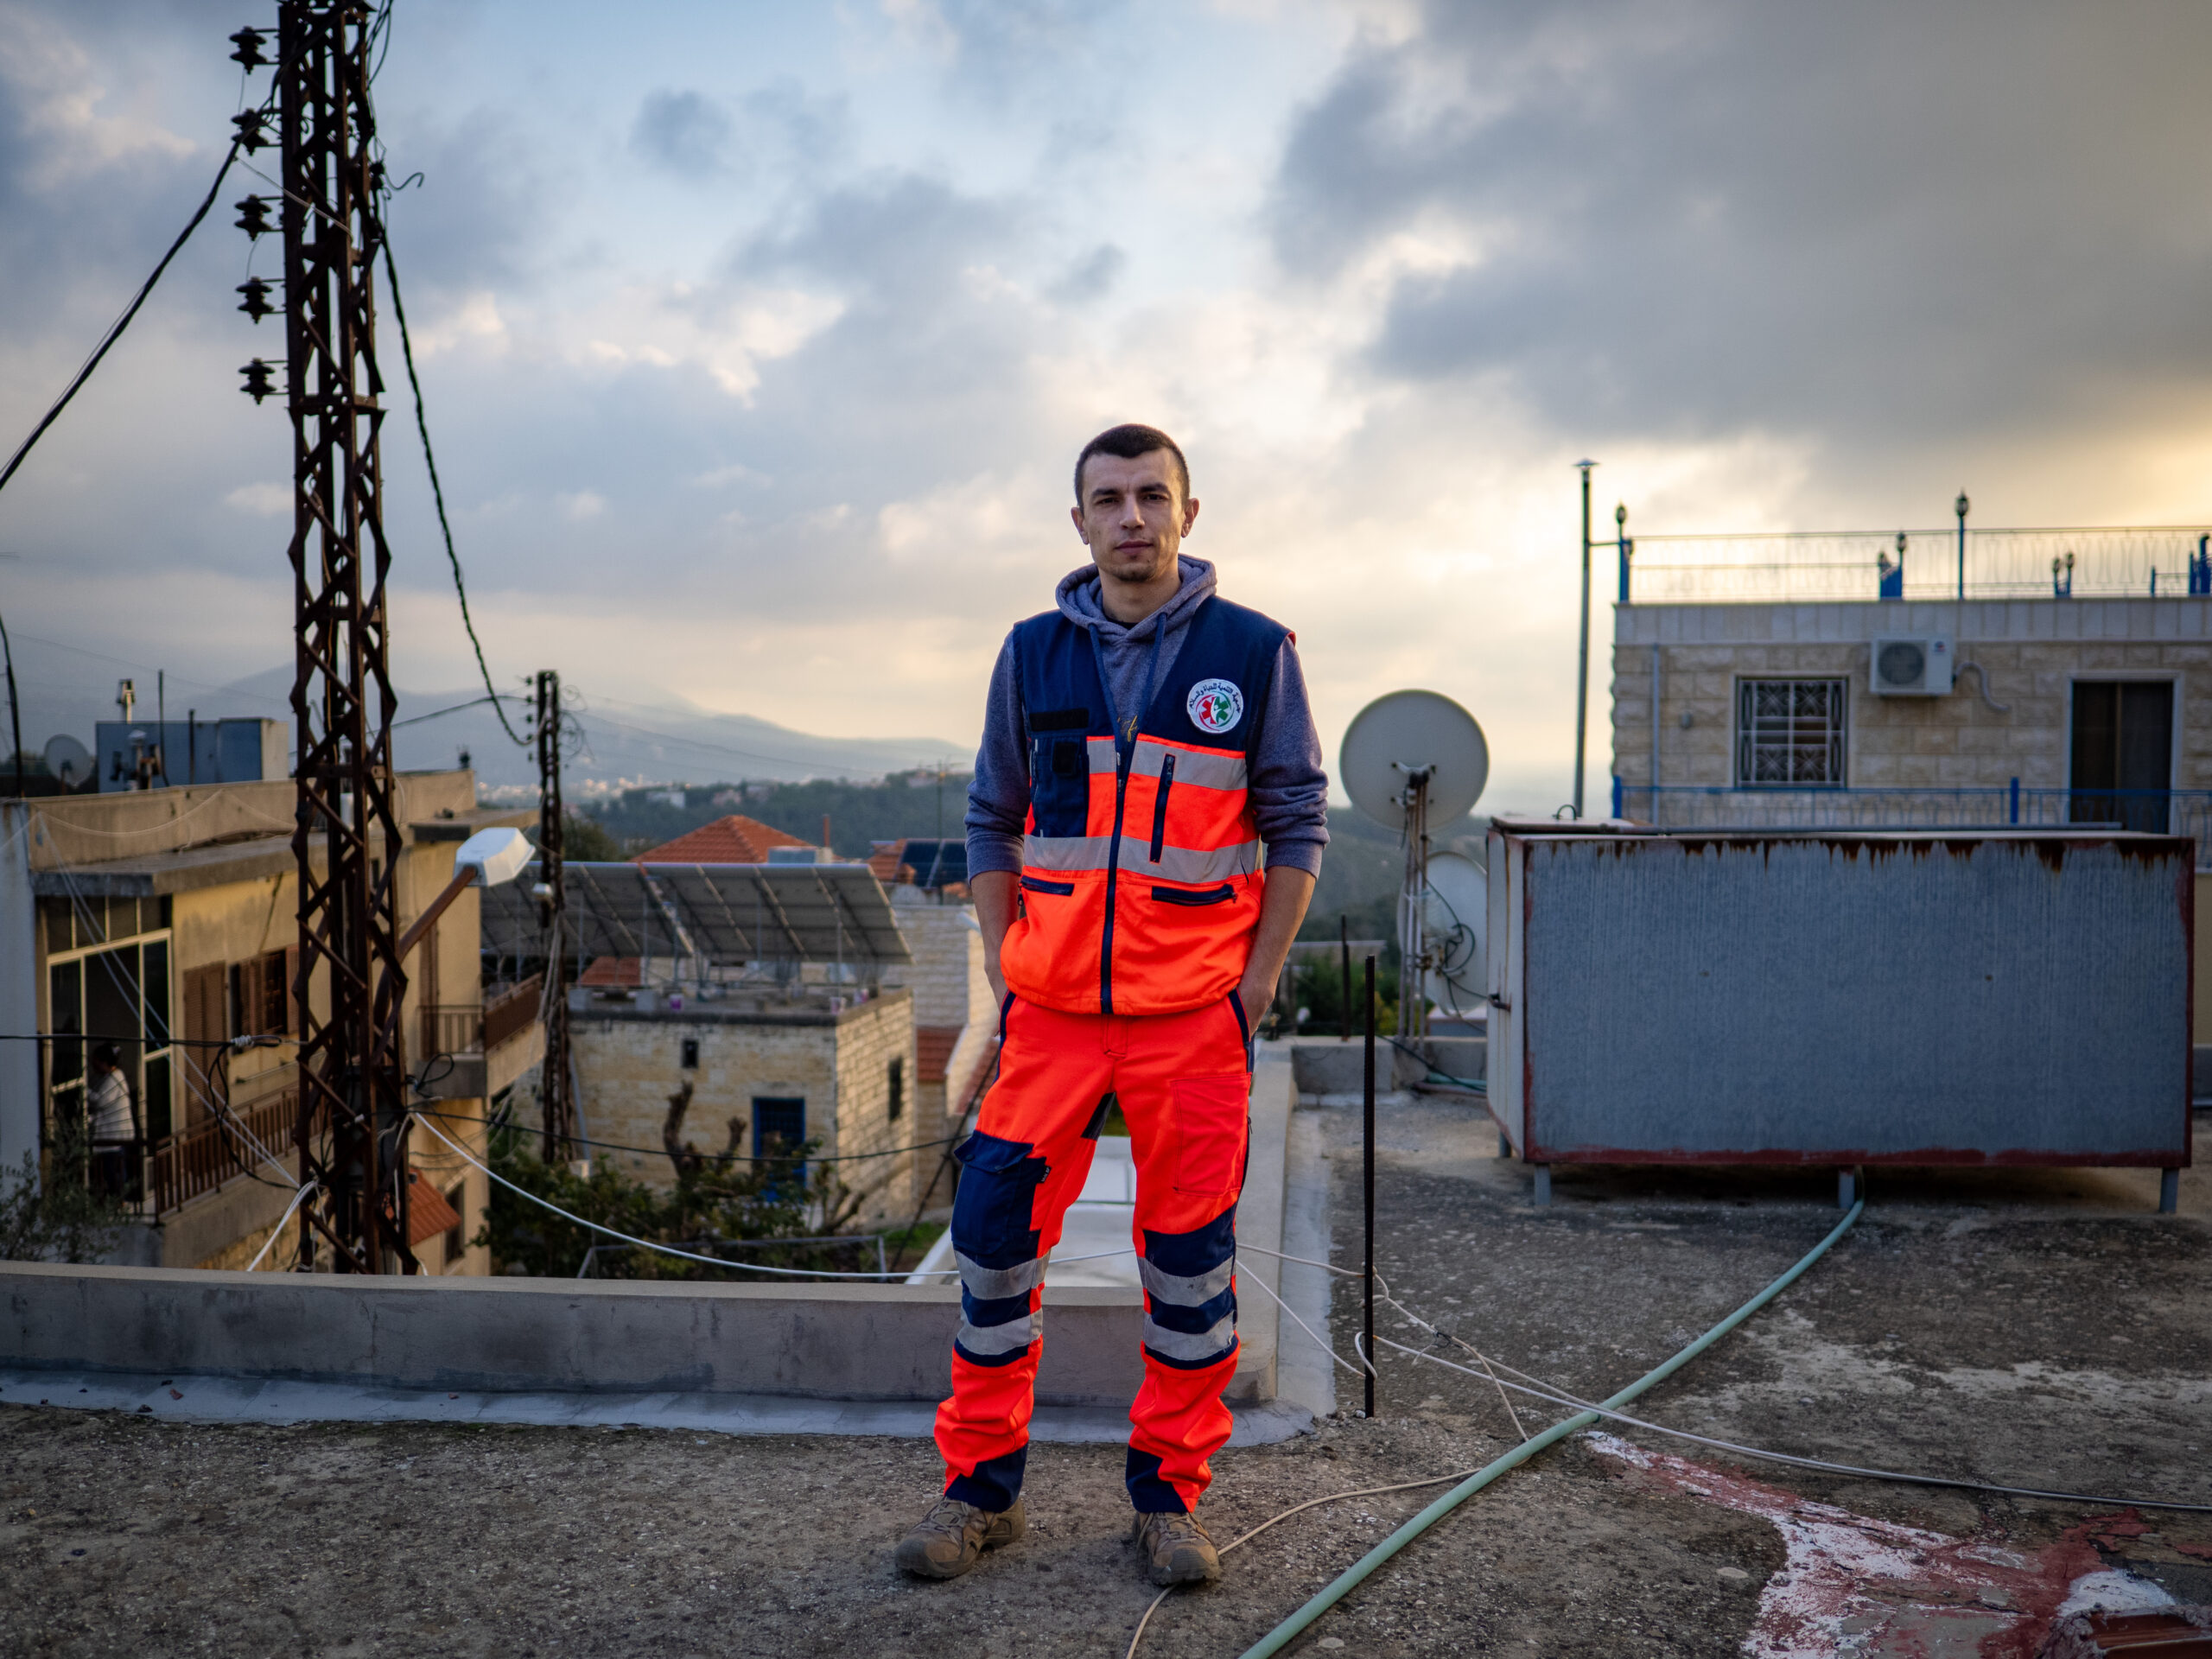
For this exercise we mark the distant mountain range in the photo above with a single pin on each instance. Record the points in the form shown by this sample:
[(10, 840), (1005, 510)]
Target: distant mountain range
[(612, 745)]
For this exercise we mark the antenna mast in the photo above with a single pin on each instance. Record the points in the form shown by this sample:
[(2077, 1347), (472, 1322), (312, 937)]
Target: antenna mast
[(346, 836), (1414, 961)]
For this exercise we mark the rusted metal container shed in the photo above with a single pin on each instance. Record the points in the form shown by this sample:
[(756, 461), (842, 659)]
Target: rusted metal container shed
[(1839, 998)]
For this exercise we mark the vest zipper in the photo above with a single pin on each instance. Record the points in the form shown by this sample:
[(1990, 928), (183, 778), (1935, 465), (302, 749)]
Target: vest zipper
[(1160, 805), (1126, 753), (1113, 879)]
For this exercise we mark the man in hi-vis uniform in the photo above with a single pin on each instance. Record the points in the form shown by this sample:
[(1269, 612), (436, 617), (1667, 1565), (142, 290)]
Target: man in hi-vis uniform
[(1143, 742)]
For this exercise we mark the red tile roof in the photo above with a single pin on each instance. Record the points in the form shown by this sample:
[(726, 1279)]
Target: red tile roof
[(733, 840), (888, 862), (428, 1212), (625, 971), (934, 1047)]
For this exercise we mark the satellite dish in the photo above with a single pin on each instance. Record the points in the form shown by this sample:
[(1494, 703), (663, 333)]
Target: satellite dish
[(1404, 730), (68, 759), (1454, 910)]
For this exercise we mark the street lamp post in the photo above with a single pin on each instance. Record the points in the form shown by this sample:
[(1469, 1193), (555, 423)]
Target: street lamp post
[(1582, 668), (1960, 507)]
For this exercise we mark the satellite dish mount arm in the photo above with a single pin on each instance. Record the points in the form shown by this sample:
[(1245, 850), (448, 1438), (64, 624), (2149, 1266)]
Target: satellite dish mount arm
[(1413, 945)]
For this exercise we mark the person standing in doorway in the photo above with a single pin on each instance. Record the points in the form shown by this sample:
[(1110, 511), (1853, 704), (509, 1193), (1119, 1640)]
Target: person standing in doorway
[(114, 1122), (1143, 742)]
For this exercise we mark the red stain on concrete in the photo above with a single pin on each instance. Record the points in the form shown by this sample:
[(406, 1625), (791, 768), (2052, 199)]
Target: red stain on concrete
[(1854, 1585)]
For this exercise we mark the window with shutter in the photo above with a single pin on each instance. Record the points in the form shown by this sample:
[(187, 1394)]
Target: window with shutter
[(206, 1005), (1790, 733)]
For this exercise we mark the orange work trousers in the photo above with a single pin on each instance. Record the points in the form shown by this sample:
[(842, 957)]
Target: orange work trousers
[(1184, 1083)]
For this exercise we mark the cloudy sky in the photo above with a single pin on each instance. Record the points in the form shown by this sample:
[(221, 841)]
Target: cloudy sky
[(758, 337)]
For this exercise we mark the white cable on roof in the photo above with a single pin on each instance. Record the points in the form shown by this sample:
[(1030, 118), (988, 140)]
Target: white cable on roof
[(1557, 1395), (1564, 1399), (268, 1243), (1246, 1538), (1302, 1326), (1325, 1267), (689, 1255)]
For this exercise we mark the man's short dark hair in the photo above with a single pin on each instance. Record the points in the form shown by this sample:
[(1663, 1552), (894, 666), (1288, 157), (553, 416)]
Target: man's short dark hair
[(1126, 443), (106, 1054)]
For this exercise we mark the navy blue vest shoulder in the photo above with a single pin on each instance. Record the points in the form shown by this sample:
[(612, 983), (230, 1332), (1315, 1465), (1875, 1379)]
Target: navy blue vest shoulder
[(1229, 651)]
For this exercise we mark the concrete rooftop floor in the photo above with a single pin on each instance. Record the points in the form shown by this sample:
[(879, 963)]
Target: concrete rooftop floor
[(2029, 1327)]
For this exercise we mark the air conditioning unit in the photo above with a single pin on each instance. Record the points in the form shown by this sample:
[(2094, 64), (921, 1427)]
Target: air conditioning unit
[(1911, 668)]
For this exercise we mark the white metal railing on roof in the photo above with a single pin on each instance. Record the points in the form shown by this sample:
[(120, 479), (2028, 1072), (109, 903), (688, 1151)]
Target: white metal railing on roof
[(2146, 561)]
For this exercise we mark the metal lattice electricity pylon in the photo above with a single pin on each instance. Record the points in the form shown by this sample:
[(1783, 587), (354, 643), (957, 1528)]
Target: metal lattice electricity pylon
[(346, 838), (555, 1094)]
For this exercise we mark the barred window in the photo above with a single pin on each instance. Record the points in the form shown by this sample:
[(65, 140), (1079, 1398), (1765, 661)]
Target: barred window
[(1790, 733)]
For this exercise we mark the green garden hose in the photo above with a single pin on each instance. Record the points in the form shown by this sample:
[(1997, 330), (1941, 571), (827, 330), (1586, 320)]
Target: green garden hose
[(1279, 1637)]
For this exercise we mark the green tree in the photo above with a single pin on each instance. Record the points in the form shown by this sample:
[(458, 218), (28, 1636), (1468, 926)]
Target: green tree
[(54, 1221), (712, 1200), (585, 839)]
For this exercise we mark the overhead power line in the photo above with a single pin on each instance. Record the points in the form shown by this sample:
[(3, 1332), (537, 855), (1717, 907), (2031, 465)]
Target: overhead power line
[(437, 491), (115, 330), (495, 699)]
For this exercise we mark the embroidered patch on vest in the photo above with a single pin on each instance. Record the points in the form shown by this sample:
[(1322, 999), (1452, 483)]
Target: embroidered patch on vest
[(1215, 706)]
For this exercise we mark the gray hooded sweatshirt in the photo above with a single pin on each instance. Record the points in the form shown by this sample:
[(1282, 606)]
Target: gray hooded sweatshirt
[(1289, 789)]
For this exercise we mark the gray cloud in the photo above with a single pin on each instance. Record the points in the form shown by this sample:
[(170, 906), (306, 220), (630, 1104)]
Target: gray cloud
[(1873, 226), (686, 132), (478, 216), (1092, 276)]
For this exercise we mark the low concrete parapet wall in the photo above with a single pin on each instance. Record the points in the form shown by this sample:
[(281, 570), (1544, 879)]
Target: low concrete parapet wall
[(1324, 1067), (807, 1339), (815, 1341)]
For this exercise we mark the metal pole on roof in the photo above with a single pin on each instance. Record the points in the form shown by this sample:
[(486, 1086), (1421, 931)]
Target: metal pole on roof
[(1367, 1190), (1960, 507), (1582, 668)]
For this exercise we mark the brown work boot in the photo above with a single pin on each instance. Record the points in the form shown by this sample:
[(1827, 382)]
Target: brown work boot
[(945, 1542), (1177, 1549)]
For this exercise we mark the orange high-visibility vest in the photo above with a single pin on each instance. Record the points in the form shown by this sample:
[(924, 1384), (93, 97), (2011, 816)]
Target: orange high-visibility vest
[(1141, 865)]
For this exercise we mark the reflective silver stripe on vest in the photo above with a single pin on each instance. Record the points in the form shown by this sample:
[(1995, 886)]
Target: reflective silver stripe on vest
[(990, 1284), (1198, 769), (1193, 767), (986, 1339), (1064, 852), (1186, 864), (1181, 1344), (1187, 1293)]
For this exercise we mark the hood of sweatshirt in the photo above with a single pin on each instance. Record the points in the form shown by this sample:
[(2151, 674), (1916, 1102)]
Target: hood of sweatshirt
[(1077, 597)]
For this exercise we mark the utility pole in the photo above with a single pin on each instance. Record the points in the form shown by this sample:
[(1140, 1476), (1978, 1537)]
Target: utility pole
[(1582, 661), (345, 837), (556, 1101), (1959, 506)]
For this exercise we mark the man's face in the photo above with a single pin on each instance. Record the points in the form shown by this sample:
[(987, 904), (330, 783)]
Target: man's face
[(1133, 516)]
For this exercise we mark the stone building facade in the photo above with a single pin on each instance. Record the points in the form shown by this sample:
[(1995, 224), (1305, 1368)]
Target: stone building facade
[(955, 1028), (2061, 710), (170, 914), (2035, 684), (782, 1064)]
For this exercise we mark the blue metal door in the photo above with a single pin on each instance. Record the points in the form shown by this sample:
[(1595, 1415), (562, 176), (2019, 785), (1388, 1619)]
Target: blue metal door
[(779, 1128)]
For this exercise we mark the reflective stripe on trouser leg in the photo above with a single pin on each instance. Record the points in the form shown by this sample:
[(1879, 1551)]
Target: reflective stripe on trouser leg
[(1177, 1421), (1185, 1093), (1018, 1172)]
